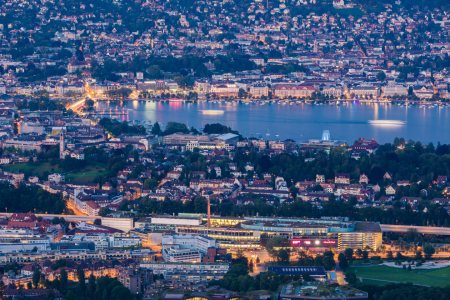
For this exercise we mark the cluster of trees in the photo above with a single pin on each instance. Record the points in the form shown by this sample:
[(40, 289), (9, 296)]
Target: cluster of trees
[(149, 206), (408, 291), (219, 129), (117, 128), (278, 249), (420, 254), (41, 103), (101, 288), (32, 73), (238, 279), (121, 93), (171, 128), (72, 164), (29, 199)]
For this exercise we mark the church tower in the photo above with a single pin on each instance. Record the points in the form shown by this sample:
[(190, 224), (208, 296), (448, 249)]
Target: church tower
[(62, 145)]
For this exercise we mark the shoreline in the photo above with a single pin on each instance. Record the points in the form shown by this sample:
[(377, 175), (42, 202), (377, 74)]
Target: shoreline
[(336, 102)]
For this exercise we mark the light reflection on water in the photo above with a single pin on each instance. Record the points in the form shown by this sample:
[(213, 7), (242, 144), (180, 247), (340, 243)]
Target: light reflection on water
[(302, 122)]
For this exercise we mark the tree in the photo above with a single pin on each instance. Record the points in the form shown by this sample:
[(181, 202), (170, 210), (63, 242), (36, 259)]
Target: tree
[(389, 255), (63, 280), (274, 242), (381, 76), (81, 279), (307, 277), (283, 255), (328, 260), (350, 277), (268, 40), (365, 255), (104, 211), (120, 93), (348, 253), (60, 263), (428, 250), (79, 55), (91, 285), (418, 255), (343, 263), (359, 252), (156, 129), (36, 277), (50, 295), (409, 268)]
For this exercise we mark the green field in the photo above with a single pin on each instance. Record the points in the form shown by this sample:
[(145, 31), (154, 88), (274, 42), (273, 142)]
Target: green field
[(35, 169), (86, 174), (440, 277)]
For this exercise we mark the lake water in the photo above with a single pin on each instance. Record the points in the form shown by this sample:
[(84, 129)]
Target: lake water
[(301, 122)]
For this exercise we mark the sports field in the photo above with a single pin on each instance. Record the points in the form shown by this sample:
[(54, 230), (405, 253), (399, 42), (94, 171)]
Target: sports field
[(374, 275), (86, 174)]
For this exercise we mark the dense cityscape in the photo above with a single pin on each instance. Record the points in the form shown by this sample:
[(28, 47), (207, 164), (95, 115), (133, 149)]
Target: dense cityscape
[(95, 205)]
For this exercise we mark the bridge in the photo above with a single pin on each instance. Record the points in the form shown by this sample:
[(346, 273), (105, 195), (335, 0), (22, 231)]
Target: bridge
[(420, 229), (384, 227)]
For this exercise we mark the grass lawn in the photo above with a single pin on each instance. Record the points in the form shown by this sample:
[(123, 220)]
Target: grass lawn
[(35, 169), (375, 282), (360, 262), (87, 174), (432, 278)]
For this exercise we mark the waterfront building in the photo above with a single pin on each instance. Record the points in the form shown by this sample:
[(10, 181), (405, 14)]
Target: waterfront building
[(259, 90), (365, 91), (294, 91), (395, 90), (225, 89), (332, 90), (322, 144)]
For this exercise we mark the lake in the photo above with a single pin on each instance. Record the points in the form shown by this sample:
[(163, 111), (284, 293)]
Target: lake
[(301, 122)]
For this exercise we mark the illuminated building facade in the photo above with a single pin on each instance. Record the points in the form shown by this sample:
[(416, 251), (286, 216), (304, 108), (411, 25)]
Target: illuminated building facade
[(312, 234)]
